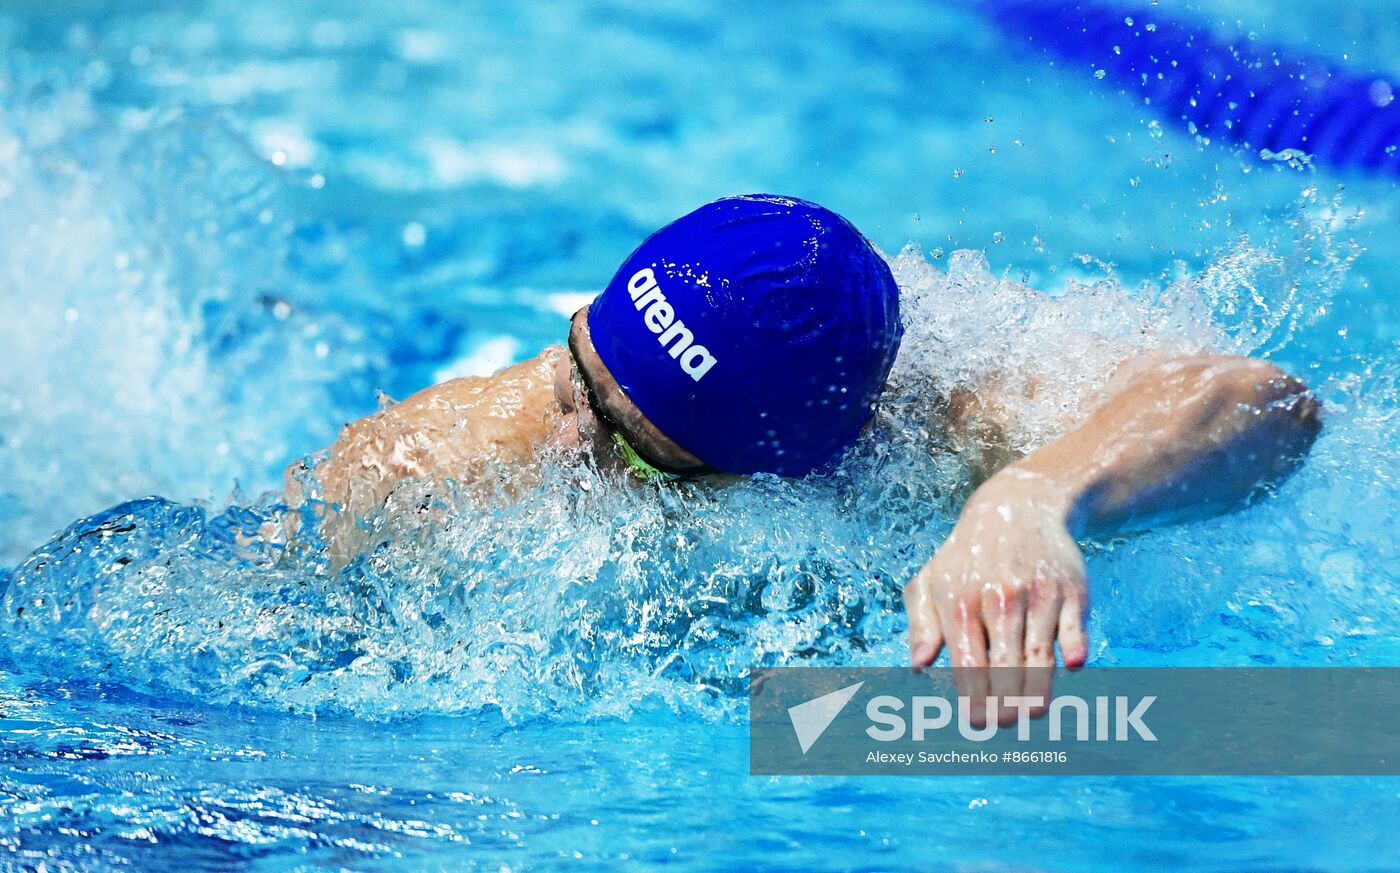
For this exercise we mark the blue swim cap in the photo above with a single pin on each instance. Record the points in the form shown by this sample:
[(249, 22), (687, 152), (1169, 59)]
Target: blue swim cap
[(755, 332)]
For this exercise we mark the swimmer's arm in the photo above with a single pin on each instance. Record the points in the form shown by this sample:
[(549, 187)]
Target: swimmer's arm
[(1184, 438), (459, 430), (451, 430)]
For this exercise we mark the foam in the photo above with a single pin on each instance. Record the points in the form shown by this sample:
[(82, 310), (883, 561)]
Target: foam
[(152, 342), (590, 594)]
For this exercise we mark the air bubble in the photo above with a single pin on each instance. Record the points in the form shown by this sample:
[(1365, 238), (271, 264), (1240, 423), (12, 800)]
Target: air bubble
[(414, 235)]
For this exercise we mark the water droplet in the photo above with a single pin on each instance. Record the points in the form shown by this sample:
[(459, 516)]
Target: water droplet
[(1381, 93), (1099, 74)]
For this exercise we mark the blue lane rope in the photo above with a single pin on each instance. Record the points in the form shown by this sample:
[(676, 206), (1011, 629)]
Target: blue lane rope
[(1254, 96)]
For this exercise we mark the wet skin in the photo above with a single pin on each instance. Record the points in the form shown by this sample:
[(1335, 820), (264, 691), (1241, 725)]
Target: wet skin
[(1171, 439)]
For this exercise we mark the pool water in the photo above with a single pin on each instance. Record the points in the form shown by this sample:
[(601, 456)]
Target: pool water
[(230, 229)]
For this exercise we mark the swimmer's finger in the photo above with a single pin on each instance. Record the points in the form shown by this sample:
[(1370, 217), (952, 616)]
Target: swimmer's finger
[(965, 634), (1006, 625), (967, 646), (1074, 641), (1041, 625), (1005, 611), (974, 687), (925, 631)]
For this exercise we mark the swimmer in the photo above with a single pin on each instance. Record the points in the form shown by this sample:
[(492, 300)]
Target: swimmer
[(755, 335)]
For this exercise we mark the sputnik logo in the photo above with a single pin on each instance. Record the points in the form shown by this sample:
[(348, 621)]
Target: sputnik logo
[(811, 719)]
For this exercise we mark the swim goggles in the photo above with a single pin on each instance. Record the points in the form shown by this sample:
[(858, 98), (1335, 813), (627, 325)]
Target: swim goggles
[(637, 463)]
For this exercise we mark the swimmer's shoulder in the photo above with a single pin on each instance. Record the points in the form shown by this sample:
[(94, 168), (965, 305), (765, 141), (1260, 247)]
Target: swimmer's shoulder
[(450, 429), (525, 379)]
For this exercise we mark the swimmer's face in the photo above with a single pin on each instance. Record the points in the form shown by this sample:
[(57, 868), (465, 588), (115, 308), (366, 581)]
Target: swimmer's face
[(581, 427)]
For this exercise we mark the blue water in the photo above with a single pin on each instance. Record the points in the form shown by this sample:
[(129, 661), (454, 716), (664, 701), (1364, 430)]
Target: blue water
[(225, 230)]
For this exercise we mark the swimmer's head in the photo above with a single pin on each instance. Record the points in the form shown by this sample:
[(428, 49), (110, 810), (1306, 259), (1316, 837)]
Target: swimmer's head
[(752, 335)]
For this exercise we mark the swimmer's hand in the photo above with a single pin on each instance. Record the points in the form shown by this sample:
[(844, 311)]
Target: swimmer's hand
[(1181, 439), (1005, 585)]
